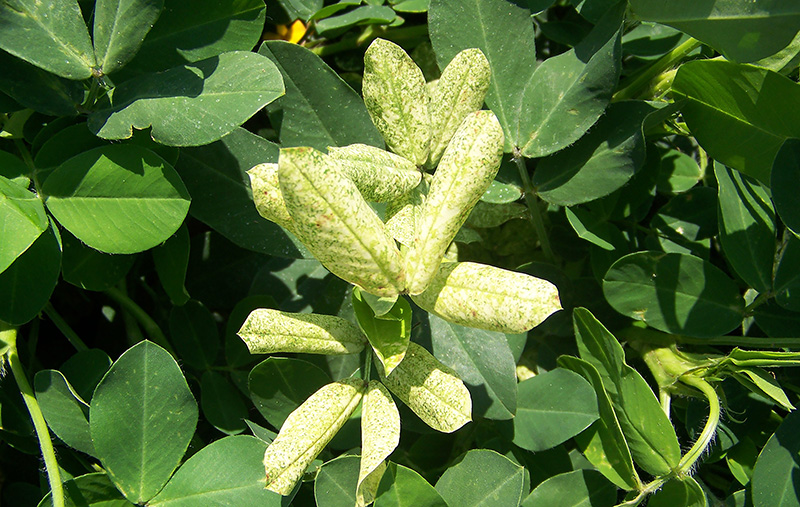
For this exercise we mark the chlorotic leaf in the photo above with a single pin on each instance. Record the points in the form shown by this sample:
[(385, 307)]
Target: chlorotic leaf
[(402, 215), (380, 175), (266, 331), (432, 390), (267, 194), (467, 168), (380, 434), (486, 297), (396, 99), (307, 431), (336, 224), (460, 91)]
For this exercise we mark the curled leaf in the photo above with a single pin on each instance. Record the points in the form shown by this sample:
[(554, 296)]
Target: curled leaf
[(459, 92), (266, 331), (396, 99), (380, 434), (380, 175), (267, 194), (467, 168), (486, 297), (307, 431), (403, 213), (432, 390), (336, 224)]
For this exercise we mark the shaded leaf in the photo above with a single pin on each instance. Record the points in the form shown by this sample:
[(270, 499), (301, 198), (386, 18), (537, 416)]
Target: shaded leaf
[(482, 478), (685, 491), (38, 89), (24, 220), (388, 334), (120, 26), (786, 171), (62, 410), (579, 488), (194, 334), (403, 487), (89, 490)]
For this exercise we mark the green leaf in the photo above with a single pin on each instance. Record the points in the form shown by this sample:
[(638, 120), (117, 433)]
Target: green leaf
[(65, 144), (746, 227), (380, 434), (747, 103), (301, 9), (467, 168), (278, 385), (307, 431), (647, 429), (774, 475), (594, 228), (568, 93), (225, 472), (89, 490), (675, 293), (190, 32), (120, 27), (579, 488), (84, 371), (367, 14), (432, 390), (484, 362), (117, 198), (217, 180), (62, 410), (397, 101), (600, 162), (13, 169), (23, 217), (785, 174), (50, 35), (194, 334), (380, 176), (319, 108), (482, 478), (761, 382), (38, 89), (91, 269), (335, 483), (388, 334), (222, 404), (26, 285), (142, 418), (267, 331), (403, 487), (687, 222), (603, 443), (193, 104), (171, 260), (456, 25), (685, 491), (776, 321), (336, 224), (546, 417), (787, 275), (459, 92), (741, 459), (678, 172), (486, 297), (741, 31)]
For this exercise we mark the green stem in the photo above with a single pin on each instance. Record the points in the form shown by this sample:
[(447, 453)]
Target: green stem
[(65, 328), (396, 35), (760, 300), (642, 81), (533, 207), (367, 362), (8, 335), (144, 320), (707, 435)]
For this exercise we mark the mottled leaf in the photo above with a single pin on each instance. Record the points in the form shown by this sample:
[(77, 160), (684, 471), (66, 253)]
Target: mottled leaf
[(380, 434), (380, 176)]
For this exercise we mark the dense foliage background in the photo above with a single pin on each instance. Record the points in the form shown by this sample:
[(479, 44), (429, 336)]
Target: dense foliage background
[(652, 160)]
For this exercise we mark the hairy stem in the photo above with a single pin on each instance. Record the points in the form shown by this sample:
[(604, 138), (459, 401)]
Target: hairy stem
[(8, 335), (707, 435), (533, 207)]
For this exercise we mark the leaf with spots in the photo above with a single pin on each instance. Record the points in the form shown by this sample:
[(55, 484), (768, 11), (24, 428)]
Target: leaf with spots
[(380, 175), (267, 194), (380, 434), (307, 431)]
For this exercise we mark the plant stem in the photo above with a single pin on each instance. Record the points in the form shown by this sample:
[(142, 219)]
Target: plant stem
[(707, 435), (760, 300), (395, 35), (367, 362), (8, 335), (65, 328), (147, 322), (640, 83), (533, 207)]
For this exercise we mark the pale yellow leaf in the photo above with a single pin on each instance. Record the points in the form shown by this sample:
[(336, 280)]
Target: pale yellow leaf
[(267, 331), (432, 390), (307, 431), (396, 99), (380, 434), (267, 194), (336, 224), (486, 297), (468, 167), (379, 175), (459, 92), (403, 213)]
